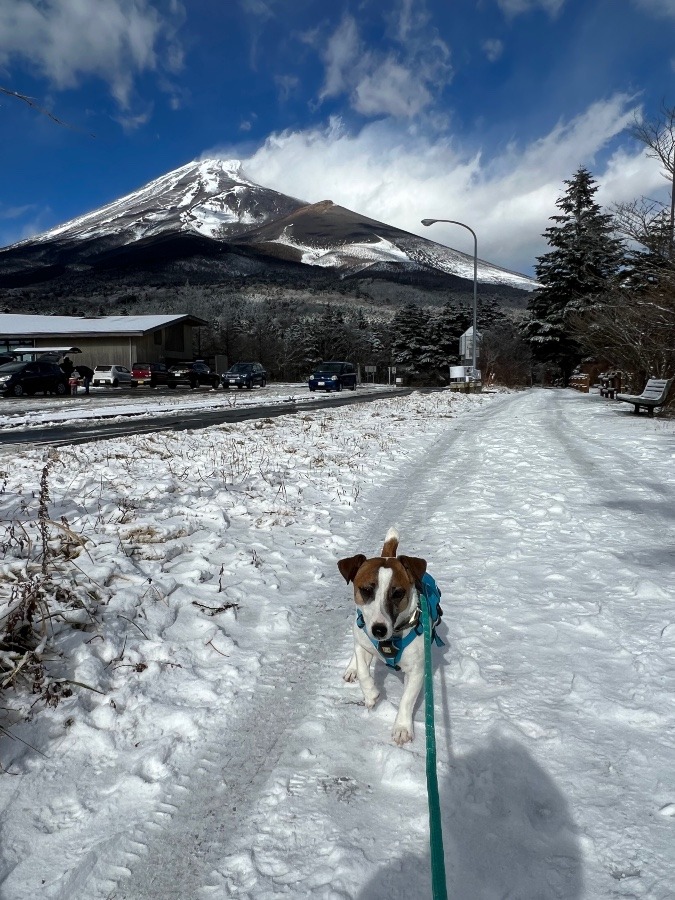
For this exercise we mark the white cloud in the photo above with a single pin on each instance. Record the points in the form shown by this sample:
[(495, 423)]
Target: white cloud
[(39, 221), (630, 175), (15, 212), (401, 176), (131, 122), (257, 8), (390, 89), (515, 7), (398, 81), (493, 49), (664, 8), (68, 39), (404, 18), (409, 22), (340, 56)]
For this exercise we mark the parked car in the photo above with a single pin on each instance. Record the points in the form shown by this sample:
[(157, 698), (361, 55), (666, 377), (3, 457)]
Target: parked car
[(245, 375), (333, 376), (111, 375), (194, 374), (153, 374), (19, 378)]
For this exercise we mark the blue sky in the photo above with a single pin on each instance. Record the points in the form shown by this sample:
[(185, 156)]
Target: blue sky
[(475, 110)]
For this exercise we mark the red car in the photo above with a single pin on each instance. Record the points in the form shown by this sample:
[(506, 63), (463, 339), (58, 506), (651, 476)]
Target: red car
[(153, 374)]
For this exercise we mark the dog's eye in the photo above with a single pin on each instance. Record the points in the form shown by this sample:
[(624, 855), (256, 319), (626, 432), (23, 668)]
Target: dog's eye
[(367, 592), (398, 594)]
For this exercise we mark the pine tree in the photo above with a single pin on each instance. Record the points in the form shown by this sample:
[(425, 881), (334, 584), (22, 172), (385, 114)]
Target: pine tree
[(412, 343), (574, 275), (447, 327)]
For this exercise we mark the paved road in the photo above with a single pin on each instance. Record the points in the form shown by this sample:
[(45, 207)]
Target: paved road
[(82, 432)]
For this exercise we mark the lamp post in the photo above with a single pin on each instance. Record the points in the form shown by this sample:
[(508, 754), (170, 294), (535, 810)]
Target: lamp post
[(475, 282)]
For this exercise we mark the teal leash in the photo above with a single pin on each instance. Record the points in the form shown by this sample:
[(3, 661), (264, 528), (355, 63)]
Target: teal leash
[(438, 885)]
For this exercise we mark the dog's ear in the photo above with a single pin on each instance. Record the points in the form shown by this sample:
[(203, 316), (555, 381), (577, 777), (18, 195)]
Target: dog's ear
[(414, 566), (350, 566)]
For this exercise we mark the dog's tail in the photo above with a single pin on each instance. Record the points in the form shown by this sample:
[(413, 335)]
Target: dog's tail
[(390, 543)]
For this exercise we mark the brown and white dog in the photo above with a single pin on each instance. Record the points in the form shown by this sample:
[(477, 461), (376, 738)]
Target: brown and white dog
[(386, 595)]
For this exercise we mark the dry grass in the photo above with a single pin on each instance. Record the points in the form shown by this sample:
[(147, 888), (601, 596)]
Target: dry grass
[(37, 600)]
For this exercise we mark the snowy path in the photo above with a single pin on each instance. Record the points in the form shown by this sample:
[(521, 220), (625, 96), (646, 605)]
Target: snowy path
[(547, 520), (529, 477)]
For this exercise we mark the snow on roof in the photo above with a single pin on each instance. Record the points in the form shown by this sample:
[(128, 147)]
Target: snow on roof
[(25, 325), (39, 351)]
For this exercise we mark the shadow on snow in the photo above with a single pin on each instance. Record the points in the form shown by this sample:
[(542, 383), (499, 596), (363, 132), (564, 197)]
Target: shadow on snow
[(507, 829)]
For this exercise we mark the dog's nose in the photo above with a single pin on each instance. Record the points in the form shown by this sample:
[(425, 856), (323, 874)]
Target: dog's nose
[(379, 630)]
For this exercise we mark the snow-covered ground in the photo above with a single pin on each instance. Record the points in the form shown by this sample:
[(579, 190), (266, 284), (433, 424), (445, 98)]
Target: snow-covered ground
[(217, 753)]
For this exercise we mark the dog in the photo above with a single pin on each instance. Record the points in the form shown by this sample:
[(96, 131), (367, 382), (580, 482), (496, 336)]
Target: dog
[(387, 625)]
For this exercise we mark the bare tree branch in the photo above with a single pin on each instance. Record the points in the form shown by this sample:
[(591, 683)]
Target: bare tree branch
[(658, 135), (637, 218), (634, 330)]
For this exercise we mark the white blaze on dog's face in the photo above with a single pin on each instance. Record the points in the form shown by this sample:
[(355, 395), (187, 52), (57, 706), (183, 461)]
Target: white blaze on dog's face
[(384, 589)]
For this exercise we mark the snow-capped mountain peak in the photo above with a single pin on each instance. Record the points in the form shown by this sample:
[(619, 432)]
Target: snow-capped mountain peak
[(215, 200), (202, 196)]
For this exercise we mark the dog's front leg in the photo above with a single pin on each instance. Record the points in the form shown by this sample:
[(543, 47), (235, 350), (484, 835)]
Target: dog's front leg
[(350, 672), (363, 661), (403, 726)]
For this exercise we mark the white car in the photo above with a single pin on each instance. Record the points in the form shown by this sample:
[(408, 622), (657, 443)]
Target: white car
[(111, 376)]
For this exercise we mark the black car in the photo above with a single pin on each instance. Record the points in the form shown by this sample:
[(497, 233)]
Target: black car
[(194, 374), (25, 378), (333, 376), (245, 375)]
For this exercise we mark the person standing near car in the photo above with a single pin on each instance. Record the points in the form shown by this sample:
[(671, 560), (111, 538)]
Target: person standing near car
[(86, 374), (67, 366)]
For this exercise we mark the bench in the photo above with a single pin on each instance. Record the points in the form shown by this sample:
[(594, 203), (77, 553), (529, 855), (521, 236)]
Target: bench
[(580, 383), (654, 394)]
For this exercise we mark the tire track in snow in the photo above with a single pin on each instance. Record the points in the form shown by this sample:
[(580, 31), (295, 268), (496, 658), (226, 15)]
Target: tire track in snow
[(171, 855), (614, 468), (616, 479)]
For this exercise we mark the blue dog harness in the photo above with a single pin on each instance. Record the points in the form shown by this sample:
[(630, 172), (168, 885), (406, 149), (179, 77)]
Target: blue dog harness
[(390, 651)]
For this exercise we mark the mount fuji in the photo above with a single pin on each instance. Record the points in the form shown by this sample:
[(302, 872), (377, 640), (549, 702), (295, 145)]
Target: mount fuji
[(208, 222)]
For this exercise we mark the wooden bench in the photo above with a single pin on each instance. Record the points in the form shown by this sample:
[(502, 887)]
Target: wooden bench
[(580, 383), (654, 394)]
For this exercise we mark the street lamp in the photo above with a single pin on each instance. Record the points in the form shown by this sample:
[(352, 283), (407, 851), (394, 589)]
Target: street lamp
[(475, 282)]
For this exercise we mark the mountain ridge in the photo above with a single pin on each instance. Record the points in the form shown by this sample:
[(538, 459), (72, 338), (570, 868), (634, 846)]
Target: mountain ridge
[(209, 222)]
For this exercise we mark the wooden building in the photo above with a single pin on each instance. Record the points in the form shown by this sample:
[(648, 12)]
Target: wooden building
[(107, 340)]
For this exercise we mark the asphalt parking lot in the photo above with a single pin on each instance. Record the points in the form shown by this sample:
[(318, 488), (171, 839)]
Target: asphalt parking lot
[(115, 412)]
